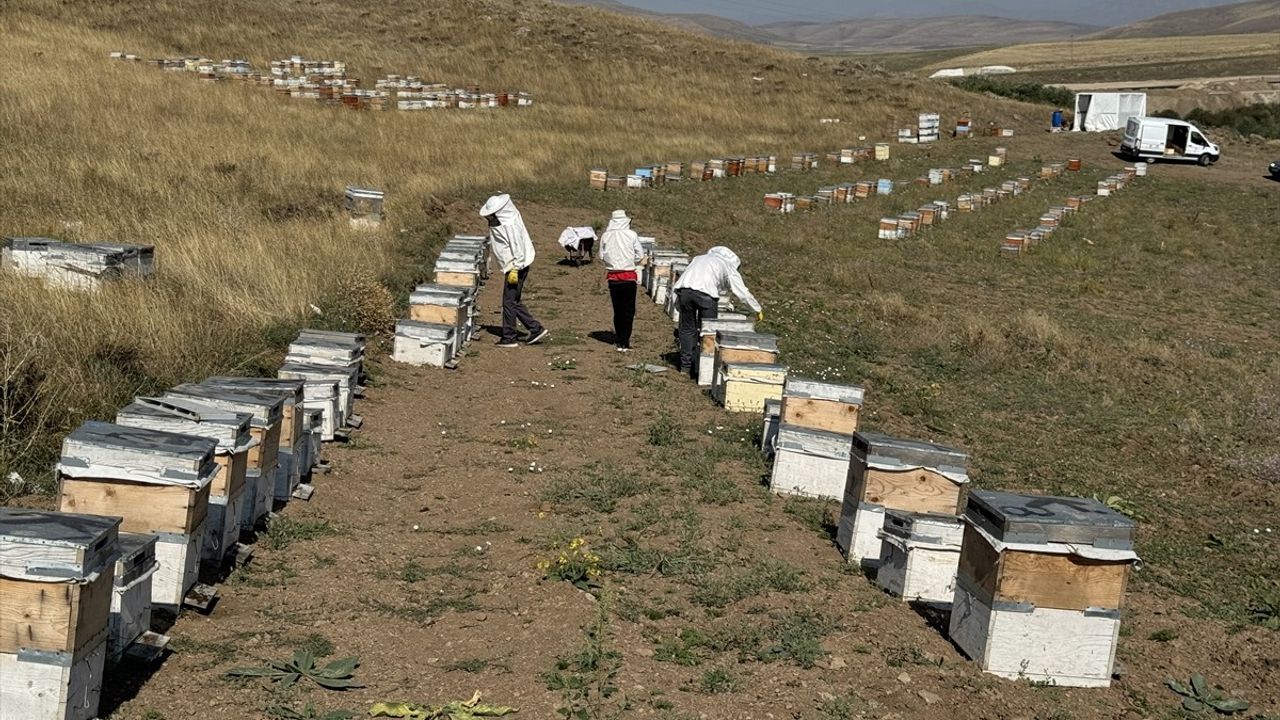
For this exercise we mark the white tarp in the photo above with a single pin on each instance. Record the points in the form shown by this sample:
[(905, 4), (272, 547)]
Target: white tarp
[(948, 73), (1102, 112)]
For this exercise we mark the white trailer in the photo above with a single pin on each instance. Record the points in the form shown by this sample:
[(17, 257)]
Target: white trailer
[(1154, 138)]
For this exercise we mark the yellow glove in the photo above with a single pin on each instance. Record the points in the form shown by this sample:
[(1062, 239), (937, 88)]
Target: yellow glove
[(513, 277), (760, 316)]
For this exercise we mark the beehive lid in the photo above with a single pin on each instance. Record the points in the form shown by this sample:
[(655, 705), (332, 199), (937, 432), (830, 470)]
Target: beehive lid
[(431, 295), (747, 341), (55, 546), (817, 390), (327, 348), (891, 453), (364, 193), (119, 451), (1039, 519), (356, 340), (435, 332), (137, 555), (228, 428), (722, 324), (756, 372), (808, 441), (265, 409), (291, 389), (459, 265), (346, 376), (30, 244)]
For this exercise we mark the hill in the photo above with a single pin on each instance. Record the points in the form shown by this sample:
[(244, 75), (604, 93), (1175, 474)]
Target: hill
[(1262, 16), (865, 35)]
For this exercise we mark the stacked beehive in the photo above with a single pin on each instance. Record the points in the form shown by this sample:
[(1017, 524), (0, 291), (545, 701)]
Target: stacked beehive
[(363, 206), (928, 127), (56, 579), (442, 315), (811, 449), (1040, 587), (746, 372), (76, 266)]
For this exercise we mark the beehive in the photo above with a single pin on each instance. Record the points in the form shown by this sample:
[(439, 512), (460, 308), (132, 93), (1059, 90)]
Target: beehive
[(130, 615), (326, 347), (919, 555), (809, 463), (459, 273), (741, 347), (420, 343), (746, 386), (707, 343), (289, 472), (266, 413), (822, 406), (599, 179), (157, 482), (230, 430), (890, 229), (1040, 587), (884, 186), (897, 474), (55, 598), (363, 206), (330, 389), (882, 151)]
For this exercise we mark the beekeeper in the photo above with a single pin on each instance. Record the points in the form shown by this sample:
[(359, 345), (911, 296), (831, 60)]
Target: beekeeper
[(698, 297), (513, 249), (622, 254)]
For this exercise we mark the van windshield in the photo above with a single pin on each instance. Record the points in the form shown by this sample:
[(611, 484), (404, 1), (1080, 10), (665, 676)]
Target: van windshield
[(1198, 139)]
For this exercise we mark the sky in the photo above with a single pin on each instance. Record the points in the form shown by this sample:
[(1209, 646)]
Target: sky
[(1090, 12)]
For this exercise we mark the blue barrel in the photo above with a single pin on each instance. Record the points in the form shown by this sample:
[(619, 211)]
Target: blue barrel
[(1057, 118)]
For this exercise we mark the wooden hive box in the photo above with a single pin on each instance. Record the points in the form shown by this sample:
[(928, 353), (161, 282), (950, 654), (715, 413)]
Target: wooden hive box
[(230, 430), (443, 304), (888, 473), (477, 245), (742, 347), (769, 433), (889, 229), (809, 463), (322, 394), (919, 555), (1040, 587), (131, 592), (266, 414), (157, 482), (459, 273), (599, 179), (420, 343), (323, 347), (363, 206), (822, 406), (882, 151), (55, 598), (745, 387), (292, 393), (707, 343)]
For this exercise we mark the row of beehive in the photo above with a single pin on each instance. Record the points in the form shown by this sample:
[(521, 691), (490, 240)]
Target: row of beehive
[(865, 189), (1019, 242), (656, 175), (443, 315), (76, 266), (327, 80), (1034, 598), (148, 505)]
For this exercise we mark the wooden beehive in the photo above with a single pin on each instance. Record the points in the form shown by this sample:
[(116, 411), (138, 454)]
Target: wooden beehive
[(289, 474), (230, 430), (328, 389), (444, 304), (919, 555), (822, 406), (459, 273), (599, 179), (745, 387), (55, 598), (882, 151), (897, 474), (1015, 243), (889, 229), (742, 347), (707, 343), (131, 592), (808, 462), (364, 205), (1040, 587)]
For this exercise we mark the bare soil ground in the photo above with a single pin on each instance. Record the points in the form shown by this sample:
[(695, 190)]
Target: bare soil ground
[(418, 554)]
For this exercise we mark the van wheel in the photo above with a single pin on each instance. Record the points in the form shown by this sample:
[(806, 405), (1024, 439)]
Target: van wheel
[(1205, 160)]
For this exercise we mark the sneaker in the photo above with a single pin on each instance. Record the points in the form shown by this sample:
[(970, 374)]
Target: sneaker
[(508, 343), (539, 336), (622, 349)]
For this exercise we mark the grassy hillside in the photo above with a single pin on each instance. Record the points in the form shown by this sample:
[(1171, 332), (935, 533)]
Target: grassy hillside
[(1262, 16), (898, 34), (239, 189)]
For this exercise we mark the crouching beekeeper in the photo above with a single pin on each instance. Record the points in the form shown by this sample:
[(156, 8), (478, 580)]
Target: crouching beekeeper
[(698, 297), (513, 249)]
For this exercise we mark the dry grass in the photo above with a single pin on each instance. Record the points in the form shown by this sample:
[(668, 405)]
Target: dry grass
[(239, 189), (1133, 51)]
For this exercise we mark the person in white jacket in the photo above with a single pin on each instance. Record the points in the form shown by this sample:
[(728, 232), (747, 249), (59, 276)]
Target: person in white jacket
[(698, 297), (513, 249), (622, 253)]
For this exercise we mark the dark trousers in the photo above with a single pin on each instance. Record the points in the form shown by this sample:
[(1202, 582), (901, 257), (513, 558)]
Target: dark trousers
[(513, 309), (694, 308), (623, 295)]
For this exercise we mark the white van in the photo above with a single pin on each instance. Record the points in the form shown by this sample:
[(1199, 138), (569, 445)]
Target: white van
[(1167, 139)]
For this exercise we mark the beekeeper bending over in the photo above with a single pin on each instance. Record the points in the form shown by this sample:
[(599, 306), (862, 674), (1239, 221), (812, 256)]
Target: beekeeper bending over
[(698, 296), (513, 250)]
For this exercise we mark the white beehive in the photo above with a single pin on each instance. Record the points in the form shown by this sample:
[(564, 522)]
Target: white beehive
[(346, 380), (131, 593), (898, 474), (745, 387), (420, 343), (292, 392), (769, 433), (809, 463), (1040, 587), (919, 555)]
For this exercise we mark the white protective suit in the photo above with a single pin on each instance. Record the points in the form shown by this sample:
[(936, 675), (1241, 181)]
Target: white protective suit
[(509, 240), (620, 247), (715, 272), (572, 237)]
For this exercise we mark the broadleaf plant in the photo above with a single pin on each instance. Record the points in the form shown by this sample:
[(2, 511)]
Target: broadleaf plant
[(336, 675), (1198, 696)]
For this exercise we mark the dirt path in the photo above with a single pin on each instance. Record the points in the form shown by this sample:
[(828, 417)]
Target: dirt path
[(418, 554)]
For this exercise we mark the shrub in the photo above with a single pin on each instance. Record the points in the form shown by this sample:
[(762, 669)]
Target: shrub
[(1031, 92)]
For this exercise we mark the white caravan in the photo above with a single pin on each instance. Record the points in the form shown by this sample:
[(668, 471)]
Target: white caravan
[(1156, 138)]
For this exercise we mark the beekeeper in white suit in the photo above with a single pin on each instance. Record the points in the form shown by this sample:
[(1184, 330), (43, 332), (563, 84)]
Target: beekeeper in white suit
[(513, 250), (698, 296)]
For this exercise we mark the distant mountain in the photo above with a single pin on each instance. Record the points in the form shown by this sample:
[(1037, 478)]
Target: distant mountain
[(1261, 16), (878, 34)]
